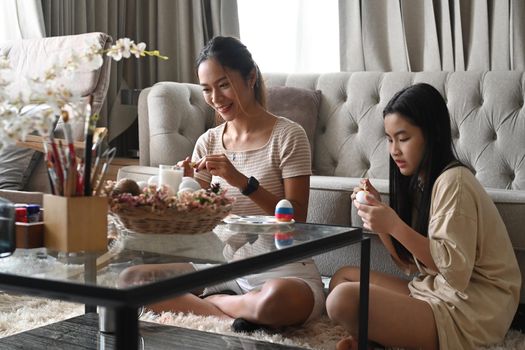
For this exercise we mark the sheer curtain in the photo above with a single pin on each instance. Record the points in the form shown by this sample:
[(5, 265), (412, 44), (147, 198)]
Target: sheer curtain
[(179, 29), (21, 19), (291, 35), (430, 35)]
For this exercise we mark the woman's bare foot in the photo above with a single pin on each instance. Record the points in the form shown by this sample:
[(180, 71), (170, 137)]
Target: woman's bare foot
[(348, 343)]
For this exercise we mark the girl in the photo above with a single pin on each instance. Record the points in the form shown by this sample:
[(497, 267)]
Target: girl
[(441, 223), (260, 158)]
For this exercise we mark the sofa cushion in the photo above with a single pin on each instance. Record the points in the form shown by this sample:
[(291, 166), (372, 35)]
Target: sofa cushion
[(16, 166), (297, 104)]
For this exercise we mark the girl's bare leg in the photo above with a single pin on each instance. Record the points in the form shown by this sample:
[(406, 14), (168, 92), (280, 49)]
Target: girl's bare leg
[(280, 302), (395, 318)]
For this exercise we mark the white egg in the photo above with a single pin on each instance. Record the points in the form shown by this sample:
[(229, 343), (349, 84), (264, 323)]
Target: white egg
[(189, 183), (154, 180), (185, 189), (360, 196)]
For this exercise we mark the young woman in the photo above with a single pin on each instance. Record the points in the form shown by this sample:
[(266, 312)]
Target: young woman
[(260, 158), (440, 222)]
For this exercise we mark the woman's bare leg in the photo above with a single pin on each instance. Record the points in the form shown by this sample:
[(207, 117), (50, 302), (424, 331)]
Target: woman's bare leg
[(186, 303), (395, 319), (280, 302)]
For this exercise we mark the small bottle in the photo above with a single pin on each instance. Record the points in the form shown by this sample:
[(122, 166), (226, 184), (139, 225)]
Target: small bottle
[(7, 228)]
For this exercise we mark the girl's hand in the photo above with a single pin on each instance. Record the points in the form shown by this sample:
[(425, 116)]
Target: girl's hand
[(220, 165), (377, 216), (186, 164), (365, 185)]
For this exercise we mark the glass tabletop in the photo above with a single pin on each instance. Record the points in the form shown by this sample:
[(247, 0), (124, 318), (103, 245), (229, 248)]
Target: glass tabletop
[(229, 251)]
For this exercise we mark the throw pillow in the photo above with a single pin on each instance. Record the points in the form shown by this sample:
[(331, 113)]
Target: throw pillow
[(297, 104), (16, 166)]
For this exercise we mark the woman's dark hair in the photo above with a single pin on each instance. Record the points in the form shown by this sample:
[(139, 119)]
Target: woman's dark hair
[(230, 52), (422, 106)]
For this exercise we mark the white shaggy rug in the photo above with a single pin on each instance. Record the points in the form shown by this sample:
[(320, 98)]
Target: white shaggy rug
[(21, 313)]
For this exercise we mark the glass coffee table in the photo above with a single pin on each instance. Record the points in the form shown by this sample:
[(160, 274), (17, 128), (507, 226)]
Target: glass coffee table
[(233, 250)]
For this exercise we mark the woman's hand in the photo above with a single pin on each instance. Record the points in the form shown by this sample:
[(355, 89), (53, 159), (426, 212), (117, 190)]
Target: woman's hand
[(186, 164), (220, 165), (377, 216), (365, 185)]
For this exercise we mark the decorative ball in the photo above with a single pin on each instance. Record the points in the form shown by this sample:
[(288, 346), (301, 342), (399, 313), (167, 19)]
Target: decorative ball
[(360, 196), (284, 211), (283, 239), (127, 186)]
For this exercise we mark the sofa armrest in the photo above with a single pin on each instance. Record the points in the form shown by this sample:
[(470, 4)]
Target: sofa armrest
[(172, 116), (23, 196)]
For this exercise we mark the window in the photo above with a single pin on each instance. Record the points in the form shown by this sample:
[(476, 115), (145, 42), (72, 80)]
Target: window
[(291, 36)]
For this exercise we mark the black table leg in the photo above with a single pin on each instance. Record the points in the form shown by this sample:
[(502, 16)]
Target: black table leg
[(364, 280), (127, 328), (90, 276)]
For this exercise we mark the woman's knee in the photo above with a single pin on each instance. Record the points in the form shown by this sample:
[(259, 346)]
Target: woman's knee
[(342, 304), (344, 274), (292, 296)]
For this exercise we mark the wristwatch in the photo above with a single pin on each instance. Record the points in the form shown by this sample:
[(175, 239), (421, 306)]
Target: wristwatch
[(252, 186)]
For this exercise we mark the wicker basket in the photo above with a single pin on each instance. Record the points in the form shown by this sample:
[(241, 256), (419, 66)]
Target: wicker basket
[(143, 220)]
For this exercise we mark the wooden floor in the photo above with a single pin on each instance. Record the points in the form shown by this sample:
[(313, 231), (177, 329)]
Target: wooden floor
[(82, 333)]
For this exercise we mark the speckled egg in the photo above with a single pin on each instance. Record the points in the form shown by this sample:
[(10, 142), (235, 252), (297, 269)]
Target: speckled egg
[(283, 239), (284, 211)]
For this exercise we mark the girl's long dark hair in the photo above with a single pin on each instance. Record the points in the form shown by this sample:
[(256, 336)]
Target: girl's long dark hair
[(422, 106)]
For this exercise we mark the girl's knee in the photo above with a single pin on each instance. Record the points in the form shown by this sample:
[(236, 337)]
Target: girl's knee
[(344, 274), (342, 304)]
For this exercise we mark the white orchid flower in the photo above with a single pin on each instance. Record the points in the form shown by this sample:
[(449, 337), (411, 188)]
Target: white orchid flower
[(138, 49), (30, 104)]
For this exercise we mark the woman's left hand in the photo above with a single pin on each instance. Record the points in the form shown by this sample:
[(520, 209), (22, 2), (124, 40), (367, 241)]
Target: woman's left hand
[(377, 216), (220, 165)]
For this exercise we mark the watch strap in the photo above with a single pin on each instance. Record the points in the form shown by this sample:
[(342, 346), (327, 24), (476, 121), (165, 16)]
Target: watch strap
[(251, 187)]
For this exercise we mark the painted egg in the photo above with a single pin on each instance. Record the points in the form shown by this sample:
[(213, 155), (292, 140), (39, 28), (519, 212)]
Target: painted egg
[(189, 184), (360, 196), (283, 239), (284, 211)]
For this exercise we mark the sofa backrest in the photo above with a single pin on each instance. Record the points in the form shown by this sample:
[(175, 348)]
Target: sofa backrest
[(486, 109)]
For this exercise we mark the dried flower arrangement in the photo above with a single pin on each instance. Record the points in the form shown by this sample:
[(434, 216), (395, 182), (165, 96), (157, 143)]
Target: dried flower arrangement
[(154, 211)]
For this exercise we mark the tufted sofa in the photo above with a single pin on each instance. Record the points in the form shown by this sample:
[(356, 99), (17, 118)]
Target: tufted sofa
[(488, 124)]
